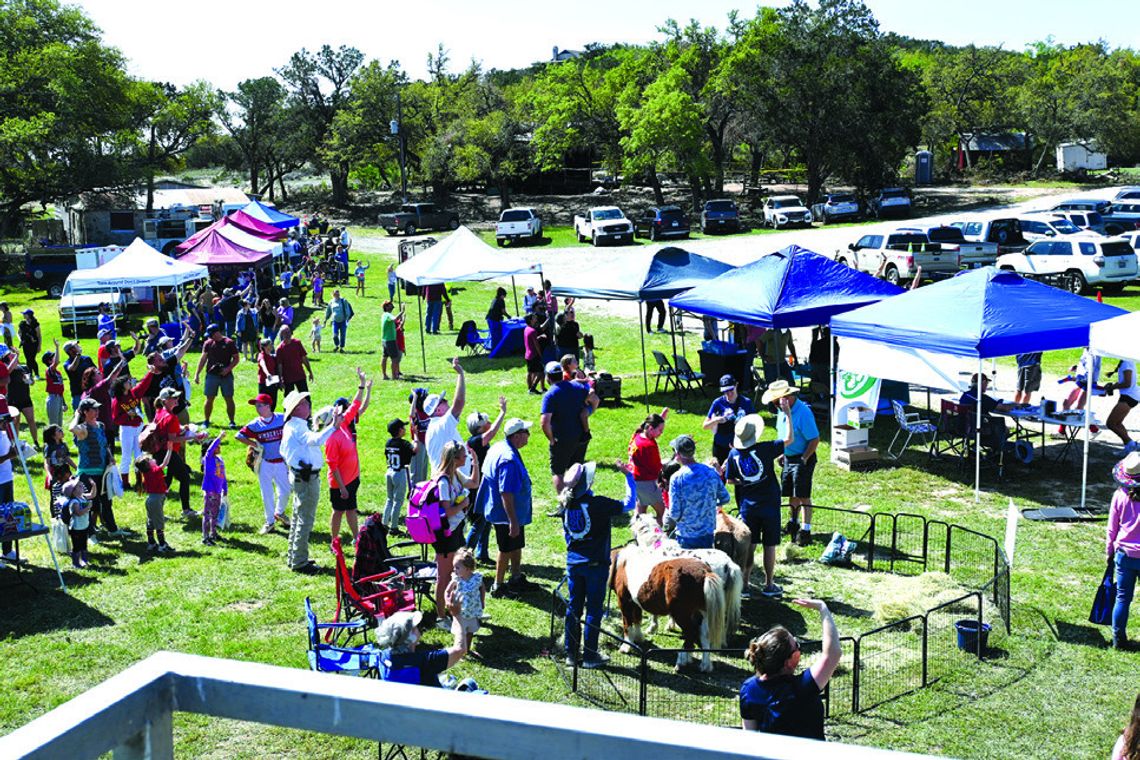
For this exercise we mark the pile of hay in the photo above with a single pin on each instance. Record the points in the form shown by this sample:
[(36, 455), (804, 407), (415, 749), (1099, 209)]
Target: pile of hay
[(899, 596)]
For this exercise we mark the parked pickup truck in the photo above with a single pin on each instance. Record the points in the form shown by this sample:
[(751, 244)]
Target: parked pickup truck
[(79, 307), (898, 255), (971, 255), (836, 207), (890, 202), (603, 223), (518, 224), (1005, 232), (784, 211), (413, 217)]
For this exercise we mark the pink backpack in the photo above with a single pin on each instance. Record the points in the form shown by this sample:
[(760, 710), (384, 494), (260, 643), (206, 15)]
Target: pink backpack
[(425, 518)]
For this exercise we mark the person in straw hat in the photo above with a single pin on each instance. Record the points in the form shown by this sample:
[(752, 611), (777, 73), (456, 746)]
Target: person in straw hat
[(795, 422), (301, 450), (751, 469), (397, 638), (1123, 542)]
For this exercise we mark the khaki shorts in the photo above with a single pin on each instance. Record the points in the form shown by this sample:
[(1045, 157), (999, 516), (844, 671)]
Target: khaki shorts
[(649, 493)]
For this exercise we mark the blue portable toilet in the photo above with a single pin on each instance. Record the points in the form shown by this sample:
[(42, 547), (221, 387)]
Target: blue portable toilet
[(924, 168)]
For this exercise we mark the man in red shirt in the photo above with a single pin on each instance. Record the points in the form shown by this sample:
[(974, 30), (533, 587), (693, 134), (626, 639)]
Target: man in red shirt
[(170, 433), (219, 357), (292, 363)]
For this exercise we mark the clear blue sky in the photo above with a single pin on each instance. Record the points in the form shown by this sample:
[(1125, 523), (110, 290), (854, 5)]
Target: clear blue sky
[(225, 42)]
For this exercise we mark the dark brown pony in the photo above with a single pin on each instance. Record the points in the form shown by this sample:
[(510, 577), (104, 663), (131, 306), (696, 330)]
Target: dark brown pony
[(684, 589)]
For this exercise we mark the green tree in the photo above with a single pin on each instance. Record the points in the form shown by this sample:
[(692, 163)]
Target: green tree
[(66, 107), (253, 114), (172, 121), (360, 132)]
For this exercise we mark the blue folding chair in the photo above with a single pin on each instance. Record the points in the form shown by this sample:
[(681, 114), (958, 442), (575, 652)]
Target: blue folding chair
[(912, 424), (333, 657), (473, 340)]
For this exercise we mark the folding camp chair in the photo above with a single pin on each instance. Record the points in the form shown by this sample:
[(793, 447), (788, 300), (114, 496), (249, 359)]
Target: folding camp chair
[(375, 556), (334, 657), (664, 370), (685, 374), (912, 424), (472, 340), (369, 598), (950, 437)]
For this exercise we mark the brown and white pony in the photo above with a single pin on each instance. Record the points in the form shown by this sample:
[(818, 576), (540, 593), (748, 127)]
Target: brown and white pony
[(648, 535), (683, 588), (734, 538)]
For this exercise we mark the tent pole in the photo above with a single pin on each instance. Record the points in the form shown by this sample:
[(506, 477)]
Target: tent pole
[(1088, 413), (11, 432), (978, 433), (673, 327), (833, 374), (420, 311), (644, 368), (515, 290)]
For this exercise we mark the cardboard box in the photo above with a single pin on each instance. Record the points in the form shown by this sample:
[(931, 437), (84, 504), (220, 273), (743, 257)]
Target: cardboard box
[(853, 459), (847, 437)]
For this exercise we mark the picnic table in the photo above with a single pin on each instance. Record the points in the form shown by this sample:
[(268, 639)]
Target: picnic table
[(31, 531), (1032, 423)]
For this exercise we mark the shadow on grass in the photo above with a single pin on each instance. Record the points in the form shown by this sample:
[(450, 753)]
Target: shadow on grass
[(43, 608), (507, 649), (1083, 634)]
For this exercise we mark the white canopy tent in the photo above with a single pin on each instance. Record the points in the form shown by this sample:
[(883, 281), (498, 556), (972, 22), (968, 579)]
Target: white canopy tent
[(138, 266), (461, 257)]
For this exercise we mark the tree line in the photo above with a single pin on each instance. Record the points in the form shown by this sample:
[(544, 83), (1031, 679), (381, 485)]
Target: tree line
[(818, 88)]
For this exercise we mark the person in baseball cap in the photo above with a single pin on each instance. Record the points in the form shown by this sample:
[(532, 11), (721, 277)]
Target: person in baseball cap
[(725, 410), (262, 398), (695, 493), (263, 436), (432, 403), (554, 370)]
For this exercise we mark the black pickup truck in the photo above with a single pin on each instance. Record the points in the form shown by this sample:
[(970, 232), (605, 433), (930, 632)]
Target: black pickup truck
[(414, 217)]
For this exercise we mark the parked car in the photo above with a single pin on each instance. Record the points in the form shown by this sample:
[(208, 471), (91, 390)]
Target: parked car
[(1083, 204), (1076, 263), (1124, 216), (720, 215), (784, 211), (971, 254), (1005, 232), (518, 224), (899, 254), (836, 207), (1089, 221), (603, 223), (661, 222), (415, 217), (1131, 193), (890, 202), (1044, 225)]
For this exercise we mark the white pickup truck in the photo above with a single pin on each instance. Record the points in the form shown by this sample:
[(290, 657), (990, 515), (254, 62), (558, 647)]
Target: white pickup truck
[(898, 255), (784, 211), (518, 224), (971, 255), (603, 223)]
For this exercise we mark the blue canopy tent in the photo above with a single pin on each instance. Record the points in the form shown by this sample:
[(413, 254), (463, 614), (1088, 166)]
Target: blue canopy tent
[(644, 276), (270, 215), (981, 314)]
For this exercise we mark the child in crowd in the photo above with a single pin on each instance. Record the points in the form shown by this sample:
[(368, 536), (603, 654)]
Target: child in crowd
[(645, 457), (399, 454), (465, 596), (58, 464), (53, 381), (214, 487), (315, 335), (318, 289), (152, 481), (75, 509)]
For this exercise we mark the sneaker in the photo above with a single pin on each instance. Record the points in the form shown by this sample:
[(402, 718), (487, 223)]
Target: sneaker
[(1130, 447), (803, 538), (306, 569), (791, 528), (283, 520), (93, 539), (166, 548), (745, 595), (233, 425), (188, 513), (443, 624), (597, 660), (772, 591), (570, 661), (207, 542), (502, 591), (152, 548), (521, 583), (268, 528), (121, 533)]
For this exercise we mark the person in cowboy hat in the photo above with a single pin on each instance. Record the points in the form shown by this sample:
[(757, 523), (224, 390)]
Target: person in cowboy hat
[(695, 492), (586, 520), (751, 469), (397, 638), (723, 414), (1123, 542), (796, 422), (301, 450)]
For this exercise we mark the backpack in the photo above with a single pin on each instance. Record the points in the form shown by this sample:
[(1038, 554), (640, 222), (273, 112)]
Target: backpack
[(425, 518)]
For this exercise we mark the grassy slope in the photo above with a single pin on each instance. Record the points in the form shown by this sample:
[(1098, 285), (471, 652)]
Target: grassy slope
[(237, 600)]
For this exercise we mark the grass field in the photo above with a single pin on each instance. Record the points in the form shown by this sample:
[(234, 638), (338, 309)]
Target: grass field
[(1055, 690)]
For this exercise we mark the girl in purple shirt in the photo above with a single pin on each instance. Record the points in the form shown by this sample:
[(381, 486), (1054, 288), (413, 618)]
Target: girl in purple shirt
[(214, 486)]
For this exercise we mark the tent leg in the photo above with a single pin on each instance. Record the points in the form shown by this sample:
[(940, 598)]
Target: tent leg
[(978, 433), (11, 432), (515, 290), (832, 374), (673, 327), (1085, 459), (644, 368), (420, 312)]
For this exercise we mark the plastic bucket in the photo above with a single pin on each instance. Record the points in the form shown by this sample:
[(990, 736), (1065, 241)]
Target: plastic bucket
[(968, 635)]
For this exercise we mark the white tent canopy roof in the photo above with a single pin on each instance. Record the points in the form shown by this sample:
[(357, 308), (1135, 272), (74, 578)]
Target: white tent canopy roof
[(462, 257), (1117, 337), (138, 266)]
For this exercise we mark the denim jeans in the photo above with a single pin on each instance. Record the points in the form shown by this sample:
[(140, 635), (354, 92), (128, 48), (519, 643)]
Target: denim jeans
[(339, 331), (1127, 568), (586, 584), (696, 542), (479, 535), (434, 312)]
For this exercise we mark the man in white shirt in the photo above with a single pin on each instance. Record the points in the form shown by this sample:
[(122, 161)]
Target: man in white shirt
[(444, 425), (301, 450)]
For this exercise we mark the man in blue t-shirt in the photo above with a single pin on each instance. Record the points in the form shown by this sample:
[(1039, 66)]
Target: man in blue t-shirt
[(564, 422), (723, 414), (795, 420), (751, 468), (504, 498)]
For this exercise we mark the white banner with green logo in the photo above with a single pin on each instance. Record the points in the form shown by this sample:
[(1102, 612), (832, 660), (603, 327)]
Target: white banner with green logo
[(855, 390)]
